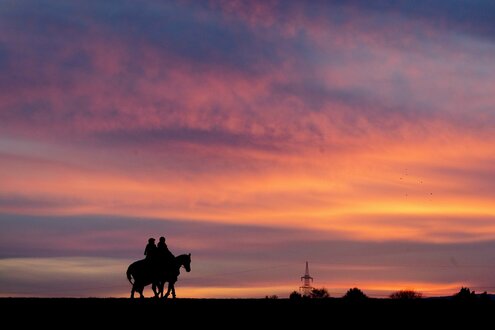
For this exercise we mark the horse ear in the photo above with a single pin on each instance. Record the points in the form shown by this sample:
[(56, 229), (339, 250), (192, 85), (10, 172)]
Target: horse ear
[(189, 254)]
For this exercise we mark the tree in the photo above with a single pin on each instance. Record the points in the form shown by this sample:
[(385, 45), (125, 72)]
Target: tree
[(465, 294), (406, 294), (295, 295), (355, 294), (319, 293)]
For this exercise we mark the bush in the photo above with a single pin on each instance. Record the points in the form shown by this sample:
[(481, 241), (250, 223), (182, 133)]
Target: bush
[(319, 293), (271, 297), (465, 294), (406, 295), (295, 295), (355, 294)]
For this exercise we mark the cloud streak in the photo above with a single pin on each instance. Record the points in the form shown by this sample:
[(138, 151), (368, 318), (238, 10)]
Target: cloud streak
[(55, 253)]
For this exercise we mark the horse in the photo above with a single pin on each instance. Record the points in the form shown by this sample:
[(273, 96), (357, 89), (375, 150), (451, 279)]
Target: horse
[(144, 273), (172, 276)]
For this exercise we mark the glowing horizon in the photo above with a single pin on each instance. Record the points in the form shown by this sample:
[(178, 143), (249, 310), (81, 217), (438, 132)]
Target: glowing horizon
[(248, 128)]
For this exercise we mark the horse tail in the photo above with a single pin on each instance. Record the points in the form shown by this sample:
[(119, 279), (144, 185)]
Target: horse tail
[(129, 275)]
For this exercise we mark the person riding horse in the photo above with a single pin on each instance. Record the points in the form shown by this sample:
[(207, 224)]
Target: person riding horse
[(150, 250), (163, 252), (159, 260), (141, 274)]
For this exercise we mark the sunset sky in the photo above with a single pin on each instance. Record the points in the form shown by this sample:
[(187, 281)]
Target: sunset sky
[(256, 135)]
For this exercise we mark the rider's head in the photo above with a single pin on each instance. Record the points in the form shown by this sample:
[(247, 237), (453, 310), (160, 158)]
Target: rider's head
[(151, 240), (162, 239)]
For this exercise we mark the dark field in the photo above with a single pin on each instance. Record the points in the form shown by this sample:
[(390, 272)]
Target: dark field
[(238, 313)]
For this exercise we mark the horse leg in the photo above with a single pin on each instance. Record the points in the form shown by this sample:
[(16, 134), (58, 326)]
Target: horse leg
[(160, 287), (153, 287), (173, 290), (168, 291), (132, 292), (140, 290), (171, 287)]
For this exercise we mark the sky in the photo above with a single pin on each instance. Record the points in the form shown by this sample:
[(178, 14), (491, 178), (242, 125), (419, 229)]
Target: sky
[(256, 135)]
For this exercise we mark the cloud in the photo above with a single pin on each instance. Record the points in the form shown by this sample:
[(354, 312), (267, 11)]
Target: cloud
[(122, 237), (246, 120), (38, 202), (220, 138), (53, 253), (61, 277), (461, 15), (125, 69)]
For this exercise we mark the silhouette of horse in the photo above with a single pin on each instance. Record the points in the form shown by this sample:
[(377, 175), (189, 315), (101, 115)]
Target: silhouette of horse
[(144, 273), (171, 276)]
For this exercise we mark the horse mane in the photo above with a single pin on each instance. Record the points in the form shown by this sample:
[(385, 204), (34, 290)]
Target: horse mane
[(180, 259), (181, 256)]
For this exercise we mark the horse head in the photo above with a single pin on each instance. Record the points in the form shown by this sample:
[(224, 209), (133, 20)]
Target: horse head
[(186, 261)]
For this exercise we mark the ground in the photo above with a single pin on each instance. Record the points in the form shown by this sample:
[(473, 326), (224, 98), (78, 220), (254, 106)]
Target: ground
[(243, 313)]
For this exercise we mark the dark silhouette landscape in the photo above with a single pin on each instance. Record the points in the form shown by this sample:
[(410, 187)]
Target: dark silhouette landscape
[(253, 313)]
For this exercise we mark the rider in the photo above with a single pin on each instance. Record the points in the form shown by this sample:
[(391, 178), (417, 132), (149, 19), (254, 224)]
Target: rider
[(163, 251), (151, 249)]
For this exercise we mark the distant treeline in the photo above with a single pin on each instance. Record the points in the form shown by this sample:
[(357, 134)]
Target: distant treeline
[(356, 294)]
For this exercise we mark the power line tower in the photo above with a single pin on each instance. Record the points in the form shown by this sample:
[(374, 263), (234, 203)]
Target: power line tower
[(306, 288)]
